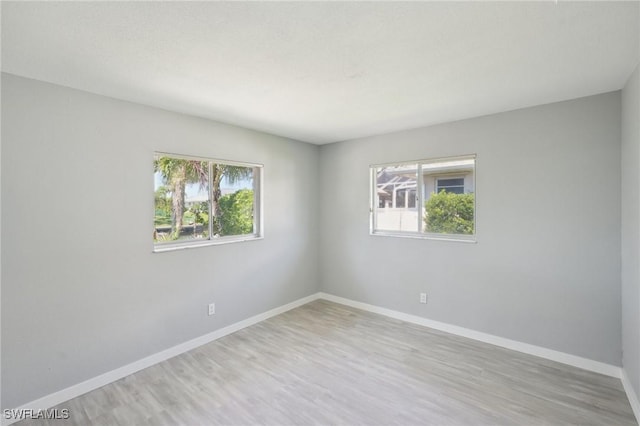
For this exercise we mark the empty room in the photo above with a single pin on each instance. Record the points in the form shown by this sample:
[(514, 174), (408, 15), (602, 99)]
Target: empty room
[(292, 213)]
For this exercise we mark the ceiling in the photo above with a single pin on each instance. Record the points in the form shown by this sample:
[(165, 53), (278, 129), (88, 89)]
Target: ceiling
[(323, 72)]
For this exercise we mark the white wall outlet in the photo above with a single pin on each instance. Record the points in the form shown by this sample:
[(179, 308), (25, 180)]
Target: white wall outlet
[(423, 297), (212, 308)]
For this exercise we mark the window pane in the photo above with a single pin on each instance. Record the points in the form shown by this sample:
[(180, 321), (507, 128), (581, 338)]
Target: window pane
[(395, 204), (451, 182), (449, 201), (181, 199), (235, 202)]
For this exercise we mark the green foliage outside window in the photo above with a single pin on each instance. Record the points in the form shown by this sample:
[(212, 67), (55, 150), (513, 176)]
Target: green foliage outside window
[(176, 173), (163, 205), (175, 219), (237, 212), (449, 213)]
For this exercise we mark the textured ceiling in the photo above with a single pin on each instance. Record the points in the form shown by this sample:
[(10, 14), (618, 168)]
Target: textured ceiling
[(326, 71)]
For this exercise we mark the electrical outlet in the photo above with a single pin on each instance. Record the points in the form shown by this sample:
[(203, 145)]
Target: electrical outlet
[(212, 308), (423, 297)]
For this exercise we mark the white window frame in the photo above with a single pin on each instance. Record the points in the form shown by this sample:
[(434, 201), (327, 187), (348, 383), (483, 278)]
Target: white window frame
[(373, 199), (258, 207)]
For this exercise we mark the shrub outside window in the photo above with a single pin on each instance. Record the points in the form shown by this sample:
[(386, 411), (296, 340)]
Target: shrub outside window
[(425, 199), (201, 201)]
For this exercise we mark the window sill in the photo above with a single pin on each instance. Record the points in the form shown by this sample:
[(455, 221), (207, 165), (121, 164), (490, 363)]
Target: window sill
[(423, 236), (206, 243)]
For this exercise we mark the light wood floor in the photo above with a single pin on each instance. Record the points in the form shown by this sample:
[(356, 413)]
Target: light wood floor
[(325, 363)]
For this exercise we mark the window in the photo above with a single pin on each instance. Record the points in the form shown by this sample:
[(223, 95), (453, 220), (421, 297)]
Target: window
[(453, 185), (425, 199), (201, 201)]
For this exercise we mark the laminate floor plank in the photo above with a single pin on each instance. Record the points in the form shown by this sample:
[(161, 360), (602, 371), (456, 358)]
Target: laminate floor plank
[(329, 364)]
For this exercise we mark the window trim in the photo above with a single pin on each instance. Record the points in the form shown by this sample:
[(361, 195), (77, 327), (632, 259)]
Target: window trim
[(258, 207), (465, 238)]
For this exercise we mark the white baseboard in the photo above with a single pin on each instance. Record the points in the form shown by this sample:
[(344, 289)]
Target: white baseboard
[(631, 394), (564, 358), (74, 391)]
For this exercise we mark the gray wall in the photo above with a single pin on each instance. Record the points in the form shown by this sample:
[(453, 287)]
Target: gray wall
[(631, 229), (83, 294), (546, 267), (82, 291)]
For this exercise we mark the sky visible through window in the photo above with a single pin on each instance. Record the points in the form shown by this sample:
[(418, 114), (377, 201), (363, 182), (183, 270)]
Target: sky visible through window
[(195, 190)]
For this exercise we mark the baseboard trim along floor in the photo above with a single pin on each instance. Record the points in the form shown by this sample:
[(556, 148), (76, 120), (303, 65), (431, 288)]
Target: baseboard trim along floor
[(61, 396), (552, 355), (631, 394), (74, 391), (564, 358)]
